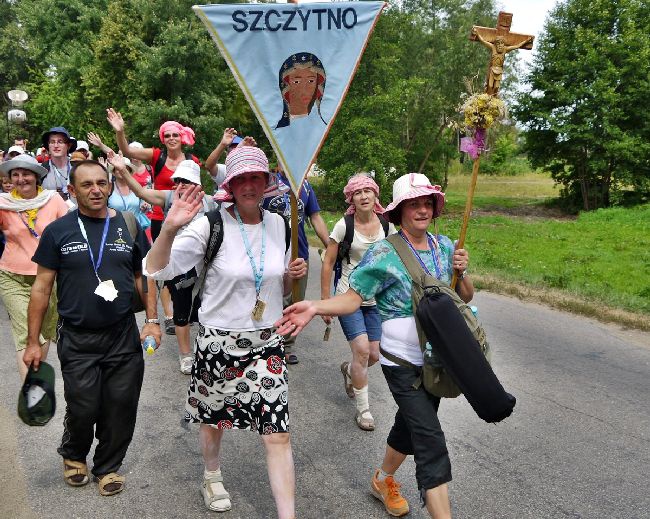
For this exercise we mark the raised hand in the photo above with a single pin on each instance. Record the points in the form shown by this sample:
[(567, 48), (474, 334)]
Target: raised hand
[(115, 120), (247, 141), (295, 318), (185, 206), (228, 135), (94, 139), (117, 161)]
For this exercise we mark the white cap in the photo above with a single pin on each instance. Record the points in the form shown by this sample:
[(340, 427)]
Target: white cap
[(15, 149), (82, 145), (136, 144), (189, 170)]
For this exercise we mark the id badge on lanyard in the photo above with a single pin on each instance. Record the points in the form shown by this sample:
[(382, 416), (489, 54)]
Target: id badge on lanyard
[(105, 289)]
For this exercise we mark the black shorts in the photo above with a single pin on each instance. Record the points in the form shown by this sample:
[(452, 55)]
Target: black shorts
[(417, 429), (180, 290)]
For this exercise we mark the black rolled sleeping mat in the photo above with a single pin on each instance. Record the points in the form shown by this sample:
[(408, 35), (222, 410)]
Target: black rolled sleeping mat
[(460, 354)]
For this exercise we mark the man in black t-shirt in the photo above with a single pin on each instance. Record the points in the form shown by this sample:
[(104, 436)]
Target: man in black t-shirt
[(97, 265)]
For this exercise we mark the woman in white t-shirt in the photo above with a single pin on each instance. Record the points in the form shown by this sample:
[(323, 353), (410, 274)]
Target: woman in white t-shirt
[(362, 328), (239, 378)]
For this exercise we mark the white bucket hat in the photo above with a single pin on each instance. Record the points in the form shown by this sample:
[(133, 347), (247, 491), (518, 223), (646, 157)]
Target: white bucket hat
[(414, 185), (23, 161), (189, 170), (15, 149)]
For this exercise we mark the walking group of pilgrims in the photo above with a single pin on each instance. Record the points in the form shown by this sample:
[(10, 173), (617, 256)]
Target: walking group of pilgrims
[(81, 236)]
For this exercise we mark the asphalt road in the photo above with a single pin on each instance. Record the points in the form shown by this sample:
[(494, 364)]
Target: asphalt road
[(577, 445)]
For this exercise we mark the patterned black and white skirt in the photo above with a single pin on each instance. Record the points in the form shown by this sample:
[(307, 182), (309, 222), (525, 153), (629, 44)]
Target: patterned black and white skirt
[(239, 381)]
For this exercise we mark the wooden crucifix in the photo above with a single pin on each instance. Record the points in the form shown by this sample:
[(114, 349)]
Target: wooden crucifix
[(500, 41)]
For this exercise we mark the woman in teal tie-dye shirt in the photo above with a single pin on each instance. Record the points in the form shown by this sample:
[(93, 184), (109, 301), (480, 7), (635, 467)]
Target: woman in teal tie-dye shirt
[(382, 275)]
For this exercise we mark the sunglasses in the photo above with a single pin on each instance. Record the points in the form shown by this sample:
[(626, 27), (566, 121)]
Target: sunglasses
[(182, 181), (170, 135)]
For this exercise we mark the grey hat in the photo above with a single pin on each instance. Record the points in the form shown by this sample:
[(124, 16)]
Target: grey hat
[(23, 161)]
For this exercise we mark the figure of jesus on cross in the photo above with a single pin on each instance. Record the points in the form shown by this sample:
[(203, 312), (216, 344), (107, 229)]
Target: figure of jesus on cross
[(500, 41)]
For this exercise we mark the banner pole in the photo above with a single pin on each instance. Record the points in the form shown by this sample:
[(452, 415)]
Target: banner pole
[(295, 292)]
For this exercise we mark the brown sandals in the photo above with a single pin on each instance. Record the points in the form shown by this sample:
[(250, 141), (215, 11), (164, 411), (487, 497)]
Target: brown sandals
[(75, 473), (110, 484)]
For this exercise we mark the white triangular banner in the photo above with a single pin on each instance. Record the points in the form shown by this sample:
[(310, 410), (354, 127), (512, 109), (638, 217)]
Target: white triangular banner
[(294, 63)]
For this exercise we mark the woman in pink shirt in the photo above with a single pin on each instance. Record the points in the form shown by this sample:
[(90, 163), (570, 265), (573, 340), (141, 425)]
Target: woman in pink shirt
[(24, 213)]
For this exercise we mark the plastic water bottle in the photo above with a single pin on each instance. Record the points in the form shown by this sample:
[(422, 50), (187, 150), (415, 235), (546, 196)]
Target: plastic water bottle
[(149, 344)]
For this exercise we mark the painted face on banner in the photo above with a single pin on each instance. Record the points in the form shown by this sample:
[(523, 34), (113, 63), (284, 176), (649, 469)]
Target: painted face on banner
[(301, 91), (302, 84)]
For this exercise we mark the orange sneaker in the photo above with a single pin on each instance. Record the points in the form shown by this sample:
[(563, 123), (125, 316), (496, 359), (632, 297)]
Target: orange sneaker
[(387, 491)]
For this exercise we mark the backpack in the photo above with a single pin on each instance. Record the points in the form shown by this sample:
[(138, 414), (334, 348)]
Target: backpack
[(214, 242), (162, 158), (346, 244), (137, 304), (434, 377)]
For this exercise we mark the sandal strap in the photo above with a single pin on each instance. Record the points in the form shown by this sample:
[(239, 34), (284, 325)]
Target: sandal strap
[(213, 496), (112, 477), (74, 468)]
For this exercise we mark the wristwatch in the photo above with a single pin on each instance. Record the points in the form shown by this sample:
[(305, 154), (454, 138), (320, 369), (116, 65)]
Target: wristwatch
[(461, 276), (152, 321)]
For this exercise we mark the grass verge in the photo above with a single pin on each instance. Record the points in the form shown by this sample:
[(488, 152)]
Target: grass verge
[(597, 264)]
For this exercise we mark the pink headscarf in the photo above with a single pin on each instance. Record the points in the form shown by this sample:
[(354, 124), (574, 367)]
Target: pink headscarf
[(356, 183), (186, 133)]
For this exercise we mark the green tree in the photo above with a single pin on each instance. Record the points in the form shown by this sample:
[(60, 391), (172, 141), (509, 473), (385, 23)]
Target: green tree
[(586, 112), (399, 113), (150, 59)]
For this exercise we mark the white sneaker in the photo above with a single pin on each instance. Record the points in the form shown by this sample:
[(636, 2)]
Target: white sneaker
[(186, 364), (215, 496)]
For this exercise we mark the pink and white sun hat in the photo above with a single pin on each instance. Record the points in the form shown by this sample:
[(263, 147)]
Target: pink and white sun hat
[(248, 159), (414, 185)]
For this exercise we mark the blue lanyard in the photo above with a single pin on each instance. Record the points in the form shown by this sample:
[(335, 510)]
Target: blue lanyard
[(257, 273), (31, 231), (432, 247), (101, 245)]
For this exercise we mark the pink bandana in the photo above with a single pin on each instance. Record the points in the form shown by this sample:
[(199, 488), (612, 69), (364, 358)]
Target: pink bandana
[(356, 183), (186, 133)]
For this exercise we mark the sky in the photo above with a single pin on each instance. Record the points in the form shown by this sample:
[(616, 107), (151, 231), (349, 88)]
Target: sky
[(528, 17)]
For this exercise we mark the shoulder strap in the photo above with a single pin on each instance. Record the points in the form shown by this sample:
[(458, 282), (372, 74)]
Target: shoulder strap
[(384, 224), (349, 234), (406, 256), (214, 243), (132, 226), (419, 279), (397, 360), (209, 203), (129, 219), (160, 163)]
